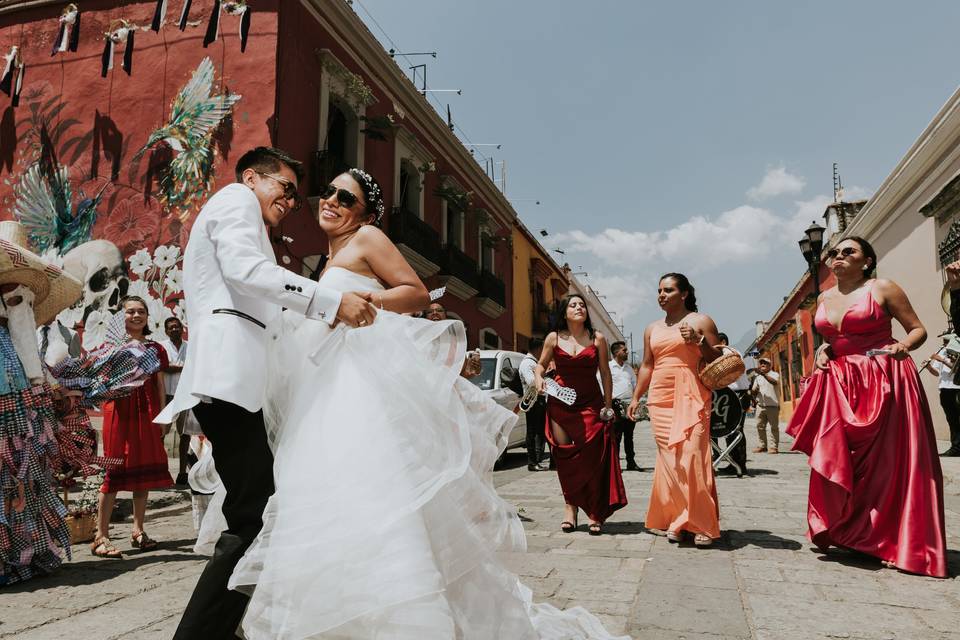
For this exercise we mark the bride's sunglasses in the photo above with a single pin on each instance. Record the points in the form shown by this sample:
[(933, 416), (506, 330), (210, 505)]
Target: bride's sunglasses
[(846, 252), (344, 197)]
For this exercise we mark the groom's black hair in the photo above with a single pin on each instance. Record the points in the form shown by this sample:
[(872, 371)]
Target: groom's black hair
[(268, 160)]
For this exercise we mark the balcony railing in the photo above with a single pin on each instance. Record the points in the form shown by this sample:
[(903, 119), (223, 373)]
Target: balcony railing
[(408, 229), (493, 288), (461, 266), (541, 319)]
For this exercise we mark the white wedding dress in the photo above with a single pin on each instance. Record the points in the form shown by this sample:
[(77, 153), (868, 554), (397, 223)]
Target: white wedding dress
[(385, 523)]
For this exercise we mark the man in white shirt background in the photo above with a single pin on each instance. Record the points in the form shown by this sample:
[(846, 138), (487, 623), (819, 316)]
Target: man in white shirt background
[(624, 381), (943, 365), (766, 391), (537, 415), (176, 348)]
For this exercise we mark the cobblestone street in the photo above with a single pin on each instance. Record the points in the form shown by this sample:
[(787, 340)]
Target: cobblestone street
[(763, 581)]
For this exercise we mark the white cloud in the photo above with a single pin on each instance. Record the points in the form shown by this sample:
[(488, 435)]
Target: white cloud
[(777, 182), (735, 235), (624, 294)]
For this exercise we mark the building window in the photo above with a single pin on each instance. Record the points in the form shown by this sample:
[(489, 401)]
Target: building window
[(453, 225), (796, 367), (409, 196), (340, 143), (489, 339), (784, 376)]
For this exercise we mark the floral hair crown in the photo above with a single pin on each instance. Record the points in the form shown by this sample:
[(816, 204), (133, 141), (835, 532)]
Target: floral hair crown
[(372, 191)]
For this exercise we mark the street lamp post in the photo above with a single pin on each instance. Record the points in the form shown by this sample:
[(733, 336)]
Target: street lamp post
[(811, 246)]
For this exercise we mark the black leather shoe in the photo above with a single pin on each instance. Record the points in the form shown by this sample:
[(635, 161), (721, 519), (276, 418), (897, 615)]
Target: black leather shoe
[(534, 467), (632, 466)]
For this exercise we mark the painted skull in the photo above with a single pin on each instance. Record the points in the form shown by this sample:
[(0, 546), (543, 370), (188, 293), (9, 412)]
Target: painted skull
[(99, 265)]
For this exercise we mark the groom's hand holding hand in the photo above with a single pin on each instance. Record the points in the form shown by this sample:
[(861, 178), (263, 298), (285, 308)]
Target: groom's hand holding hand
[(356, 309)]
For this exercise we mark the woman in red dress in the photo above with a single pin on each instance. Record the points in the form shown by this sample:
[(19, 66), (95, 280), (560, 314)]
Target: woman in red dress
[(130, 433), (875, 482), (581, 436)]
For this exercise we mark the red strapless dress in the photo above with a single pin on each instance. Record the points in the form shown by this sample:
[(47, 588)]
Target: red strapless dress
[(875, 481), (588, 467)]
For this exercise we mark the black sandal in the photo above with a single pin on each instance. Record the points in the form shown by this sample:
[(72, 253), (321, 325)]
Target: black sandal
[(595, 528), (568, 527)]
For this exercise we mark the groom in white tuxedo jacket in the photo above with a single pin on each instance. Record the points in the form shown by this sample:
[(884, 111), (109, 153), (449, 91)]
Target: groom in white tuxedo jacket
[(233, 288)]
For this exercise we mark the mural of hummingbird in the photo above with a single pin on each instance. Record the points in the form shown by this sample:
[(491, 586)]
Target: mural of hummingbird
[(44, 205), (194, 118)]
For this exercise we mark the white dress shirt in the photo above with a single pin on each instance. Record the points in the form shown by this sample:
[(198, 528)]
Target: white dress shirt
[(528, 367), (176, 357), (624, 380), (946, 375)]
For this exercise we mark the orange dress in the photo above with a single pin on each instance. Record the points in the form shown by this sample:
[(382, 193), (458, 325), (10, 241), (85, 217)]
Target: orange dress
[(684, 494)]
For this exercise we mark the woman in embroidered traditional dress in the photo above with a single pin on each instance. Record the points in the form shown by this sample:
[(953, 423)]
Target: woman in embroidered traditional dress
[(684, 495), (581, 437), (875, 479), (129, 433)]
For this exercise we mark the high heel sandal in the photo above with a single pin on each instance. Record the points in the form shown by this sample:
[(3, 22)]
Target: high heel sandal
[(595, 528), (702, 541), (568, 527)]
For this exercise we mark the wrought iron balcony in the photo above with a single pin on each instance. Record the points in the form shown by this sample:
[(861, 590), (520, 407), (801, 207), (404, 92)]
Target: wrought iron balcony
[(492, 300), (460, 273), (418, 241)]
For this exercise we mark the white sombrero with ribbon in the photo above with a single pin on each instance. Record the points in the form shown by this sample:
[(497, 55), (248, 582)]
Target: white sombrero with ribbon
[(53, 289)]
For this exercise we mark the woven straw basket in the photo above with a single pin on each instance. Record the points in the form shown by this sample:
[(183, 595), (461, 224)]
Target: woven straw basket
[(82, 527), (723, 371)]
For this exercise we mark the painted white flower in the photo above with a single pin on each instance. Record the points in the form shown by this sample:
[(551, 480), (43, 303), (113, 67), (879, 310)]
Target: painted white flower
[(95, 329), (140, 262), (71, 316), (166, 256), (140, 289), (174, 280), (180, 310), (158, 314)]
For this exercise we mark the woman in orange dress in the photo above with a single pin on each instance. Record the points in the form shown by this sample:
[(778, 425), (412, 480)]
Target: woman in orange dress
[(581, 436), (684, 496), (130, 433)]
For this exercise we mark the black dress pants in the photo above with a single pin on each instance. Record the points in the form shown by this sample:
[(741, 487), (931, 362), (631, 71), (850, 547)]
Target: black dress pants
[(624, 429), (950, 401), (245, 464), (536, 425)]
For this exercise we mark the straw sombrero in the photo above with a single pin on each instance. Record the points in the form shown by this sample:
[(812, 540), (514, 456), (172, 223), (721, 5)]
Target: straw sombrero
[(53, 289)]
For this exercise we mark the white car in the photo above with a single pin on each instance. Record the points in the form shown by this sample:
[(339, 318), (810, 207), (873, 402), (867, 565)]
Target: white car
[(497, 368)]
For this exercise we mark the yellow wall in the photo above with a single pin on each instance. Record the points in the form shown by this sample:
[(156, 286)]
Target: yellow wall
[(522, 296)]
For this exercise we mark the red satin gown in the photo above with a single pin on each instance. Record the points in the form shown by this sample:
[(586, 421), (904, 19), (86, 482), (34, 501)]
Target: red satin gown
[(588, 467), (875, 479)]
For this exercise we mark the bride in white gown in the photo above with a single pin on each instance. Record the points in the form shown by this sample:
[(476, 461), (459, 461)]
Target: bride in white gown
[(385, 523)]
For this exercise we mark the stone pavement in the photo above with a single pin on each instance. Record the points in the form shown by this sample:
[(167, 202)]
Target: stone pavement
[(763, 581)]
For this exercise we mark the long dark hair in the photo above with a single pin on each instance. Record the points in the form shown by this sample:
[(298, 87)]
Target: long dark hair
[(561, 313), (868, 252), (683, 284)]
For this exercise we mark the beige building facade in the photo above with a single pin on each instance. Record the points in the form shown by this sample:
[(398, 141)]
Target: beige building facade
[(913, 222)]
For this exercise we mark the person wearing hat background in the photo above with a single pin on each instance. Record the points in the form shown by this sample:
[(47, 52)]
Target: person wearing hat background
[(766, 390), (33, 533)]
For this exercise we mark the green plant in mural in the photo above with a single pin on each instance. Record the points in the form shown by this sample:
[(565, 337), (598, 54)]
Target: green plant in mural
[(194, 118)]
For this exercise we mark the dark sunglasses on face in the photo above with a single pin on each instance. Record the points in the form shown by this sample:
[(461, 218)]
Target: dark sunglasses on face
[(344, 197), (843, 253), (289, 189)]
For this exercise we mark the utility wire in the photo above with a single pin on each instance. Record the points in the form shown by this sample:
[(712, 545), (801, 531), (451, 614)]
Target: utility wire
[(439, 105)]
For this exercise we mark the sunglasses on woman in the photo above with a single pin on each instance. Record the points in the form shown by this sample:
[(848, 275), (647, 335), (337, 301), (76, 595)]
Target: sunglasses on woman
[(289, 189), (344, 197), (846, 252)]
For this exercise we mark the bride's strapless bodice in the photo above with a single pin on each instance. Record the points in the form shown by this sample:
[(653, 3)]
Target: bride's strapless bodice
[(343, 279)]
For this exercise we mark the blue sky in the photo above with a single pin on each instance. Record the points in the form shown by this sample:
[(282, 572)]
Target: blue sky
[(684, 136)]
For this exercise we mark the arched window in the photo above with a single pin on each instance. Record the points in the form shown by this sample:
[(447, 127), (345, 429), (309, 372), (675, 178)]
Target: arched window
[(489, 339)]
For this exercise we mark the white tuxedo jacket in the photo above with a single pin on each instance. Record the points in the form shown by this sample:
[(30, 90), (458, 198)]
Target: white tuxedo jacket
[(233, 288)]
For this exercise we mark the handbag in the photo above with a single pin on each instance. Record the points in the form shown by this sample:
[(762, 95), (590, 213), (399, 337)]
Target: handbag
[(723, 371)]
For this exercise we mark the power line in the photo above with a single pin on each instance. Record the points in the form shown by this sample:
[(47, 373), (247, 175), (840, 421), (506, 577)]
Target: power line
[(439, 105)]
